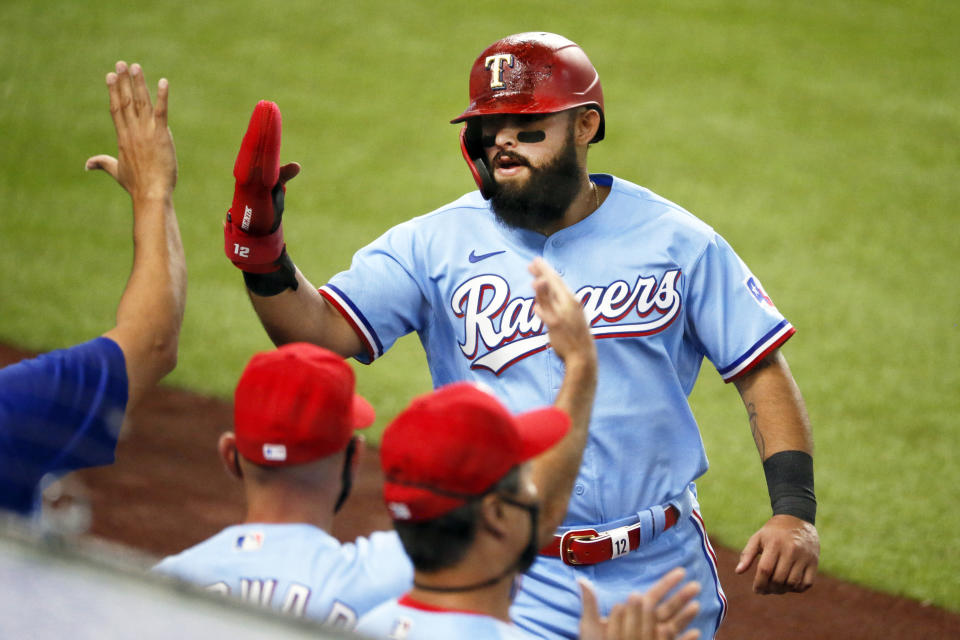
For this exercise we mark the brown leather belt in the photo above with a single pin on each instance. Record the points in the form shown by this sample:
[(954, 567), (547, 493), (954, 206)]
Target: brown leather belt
[(586, 546)]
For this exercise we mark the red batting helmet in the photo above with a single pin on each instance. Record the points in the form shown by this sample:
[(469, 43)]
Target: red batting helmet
[(532, 72)]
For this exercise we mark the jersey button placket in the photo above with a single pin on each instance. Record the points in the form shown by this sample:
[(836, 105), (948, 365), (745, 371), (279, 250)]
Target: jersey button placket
[(552, 255)]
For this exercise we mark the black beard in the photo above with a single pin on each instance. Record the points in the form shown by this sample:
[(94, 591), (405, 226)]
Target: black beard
[(545, 197)]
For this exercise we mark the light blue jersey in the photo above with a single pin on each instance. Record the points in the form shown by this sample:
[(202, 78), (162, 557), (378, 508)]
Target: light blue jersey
[(298, 569), (407, 619), (661, 290)]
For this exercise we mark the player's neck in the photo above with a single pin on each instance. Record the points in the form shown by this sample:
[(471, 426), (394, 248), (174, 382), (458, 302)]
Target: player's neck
[(302, 493), (480, 582), (492, 600), (288, 507)]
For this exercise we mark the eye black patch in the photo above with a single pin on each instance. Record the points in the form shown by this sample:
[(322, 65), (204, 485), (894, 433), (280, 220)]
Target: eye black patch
[(488, 141), (531, 136)]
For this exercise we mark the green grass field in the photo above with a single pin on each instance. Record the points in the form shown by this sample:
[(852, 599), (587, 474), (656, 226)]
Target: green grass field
[(821, 139)]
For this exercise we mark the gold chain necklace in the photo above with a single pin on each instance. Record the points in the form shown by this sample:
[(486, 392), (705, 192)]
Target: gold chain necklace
[(596, 195)]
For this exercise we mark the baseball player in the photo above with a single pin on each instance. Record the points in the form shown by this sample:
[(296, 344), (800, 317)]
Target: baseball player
[(294, 448), (64, 410), (660, 288), (463, 485)]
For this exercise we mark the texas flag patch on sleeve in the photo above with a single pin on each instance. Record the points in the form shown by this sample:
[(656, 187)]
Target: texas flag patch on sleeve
[(753, 285)]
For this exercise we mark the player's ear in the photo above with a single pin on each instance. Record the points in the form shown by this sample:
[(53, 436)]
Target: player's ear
[(586, 125), (493, 516), (227, 448)]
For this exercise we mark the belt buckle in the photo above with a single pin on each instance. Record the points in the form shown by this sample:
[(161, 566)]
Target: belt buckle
[(566, 553)]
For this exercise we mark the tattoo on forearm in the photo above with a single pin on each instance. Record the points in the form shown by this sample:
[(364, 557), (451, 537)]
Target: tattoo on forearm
[(755, 429)]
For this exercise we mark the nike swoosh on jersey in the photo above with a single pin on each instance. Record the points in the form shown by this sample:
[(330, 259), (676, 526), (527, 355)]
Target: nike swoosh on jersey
[(483, 256)]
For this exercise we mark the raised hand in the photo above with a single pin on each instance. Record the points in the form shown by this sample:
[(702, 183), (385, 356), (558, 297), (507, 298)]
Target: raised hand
[(647, 616), (561, 313), (146, 162)]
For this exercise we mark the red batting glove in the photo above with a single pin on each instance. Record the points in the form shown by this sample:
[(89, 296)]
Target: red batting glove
[(253, 235)]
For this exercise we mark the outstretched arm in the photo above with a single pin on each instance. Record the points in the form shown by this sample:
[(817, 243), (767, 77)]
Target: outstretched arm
[(289, 307), (150, 312), (555, 471), (303, 315), (788, 545)]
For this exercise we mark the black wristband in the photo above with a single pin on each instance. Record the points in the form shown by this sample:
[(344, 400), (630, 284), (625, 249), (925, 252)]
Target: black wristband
[(790, 484), (270, 284)]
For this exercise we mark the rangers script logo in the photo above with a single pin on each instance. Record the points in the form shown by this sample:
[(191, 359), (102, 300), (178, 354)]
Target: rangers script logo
[(510, 330)]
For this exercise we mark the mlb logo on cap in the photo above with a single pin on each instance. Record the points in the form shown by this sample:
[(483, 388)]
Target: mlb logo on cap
[(275, 452), (399, 511)]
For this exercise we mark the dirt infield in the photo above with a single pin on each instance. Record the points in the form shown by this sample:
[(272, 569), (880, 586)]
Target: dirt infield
[(167, 491)]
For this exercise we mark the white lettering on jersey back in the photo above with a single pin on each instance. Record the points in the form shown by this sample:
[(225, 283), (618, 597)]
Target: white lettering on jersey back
[(341, 616), (295, 600), (258, 592), (483, 299)]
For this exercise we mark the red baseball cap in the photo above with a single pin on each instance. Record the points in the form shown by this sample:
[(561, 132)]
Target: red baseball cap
[(296, 404), (454, 444)]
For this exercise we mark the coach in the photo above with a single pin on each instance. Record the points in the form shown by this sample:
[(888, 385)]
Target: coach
[(64, 410)]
